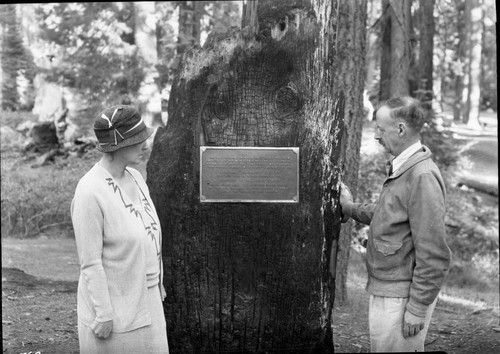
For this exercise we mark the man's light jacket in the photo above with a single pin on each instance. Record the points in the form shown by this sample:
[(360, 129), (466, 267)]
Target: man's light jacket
[(407, 254)]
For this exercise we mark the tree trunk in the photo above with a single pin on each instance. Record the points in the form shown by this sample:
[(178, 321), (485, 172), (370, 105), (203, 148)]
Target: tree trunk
[(145, 38), (253, 277), (373, 47), (459, 71), (462, 72), (400, 47), (166, 55), (426, 53), (385, 57), (12, 52), (3, 26), (351, 54), (396, 50), (189, 24), (249, 16), (441, 74), (474, 99)]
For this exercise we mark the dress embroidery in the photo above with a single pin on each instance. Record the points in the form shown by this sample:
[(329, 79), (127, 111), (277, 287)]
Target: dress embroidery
[(147, 209), (127, 206)]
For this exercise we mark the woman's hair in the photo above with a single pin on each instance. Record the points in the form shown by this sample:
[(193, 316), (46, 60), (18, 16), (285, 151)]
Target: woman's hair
[(408, 109)]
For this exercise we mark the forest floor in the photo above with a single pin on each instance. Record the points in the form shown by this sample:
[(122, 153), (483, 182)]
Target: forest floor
[(39, 282)]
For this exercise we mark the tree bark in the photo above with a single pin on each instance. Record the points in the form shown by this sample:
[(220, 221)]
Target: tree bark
[(12, 53), (189, 24), (426, 52), (249, 16), (253, 277), (385, 57), (350, 59), (462, 72), (396, 51), (373, 45), (400, 47), (165, 53), (474, 99)]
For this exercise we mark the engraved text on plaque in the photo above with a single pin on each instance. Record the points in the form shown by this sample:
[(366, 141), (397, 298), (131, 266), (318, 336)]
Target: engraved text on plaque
[(249, 174)]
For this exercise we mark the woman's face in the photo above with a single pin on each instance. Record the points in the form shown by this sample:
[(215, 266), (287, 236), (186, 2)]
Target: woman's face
[(133, 154)]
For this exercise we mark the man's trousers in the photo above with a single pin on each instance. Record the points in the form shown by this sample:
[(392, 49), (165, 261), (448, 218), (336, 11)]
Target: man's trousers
[(386, 325)]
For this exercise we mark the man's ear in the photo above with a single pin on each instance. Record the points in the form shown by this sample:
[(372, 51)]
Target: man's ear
[(402, 129)]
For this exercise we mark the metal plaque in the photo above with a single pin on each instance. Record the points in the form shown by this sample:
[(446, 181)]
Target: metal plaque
[(249, 174)]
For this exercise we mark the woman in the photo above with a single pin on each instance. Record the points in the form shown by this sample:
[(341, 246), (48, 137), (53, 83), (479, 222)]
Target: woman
[(118, 239)]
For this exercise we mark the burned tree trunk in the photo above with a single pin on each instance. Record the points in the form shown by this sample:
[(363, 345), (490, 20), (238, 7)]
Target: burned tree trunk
[(253, 277)]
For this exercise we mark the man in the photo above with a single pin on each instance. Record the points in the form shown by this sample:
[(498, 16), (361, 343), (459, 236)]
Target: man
[(407, 257)]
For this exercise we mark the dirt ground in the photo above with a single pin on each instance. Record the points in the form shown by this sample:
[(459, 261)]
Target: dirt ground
[(39, 311)]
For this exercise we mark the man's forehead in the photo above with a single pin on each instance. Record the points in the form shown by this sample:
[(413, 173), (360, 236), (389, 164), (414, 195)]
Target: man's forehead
[(383, 115)]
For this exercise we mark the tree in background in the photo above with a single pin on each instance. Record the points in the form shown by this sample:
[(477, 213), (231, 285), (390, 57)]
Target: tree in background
[(16, 61), (374, 24), (350, 63), (426, 26), (99, 55), (489, 58), (397, 47), (166, 52), (435, 45), (472, 93), (190, 13)]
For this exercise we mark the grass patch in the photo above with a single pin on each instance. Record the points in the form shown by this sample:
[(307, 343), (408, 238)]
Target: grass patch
[(36, 201)]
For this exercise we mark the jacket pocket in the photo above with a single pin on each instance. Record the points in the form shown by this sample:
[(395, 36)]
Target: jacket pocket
[(388, 248)]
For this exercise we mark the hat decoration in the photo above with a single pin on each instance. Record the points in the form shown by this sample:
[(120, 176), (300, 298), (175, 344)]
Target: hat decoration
[(115, 126)]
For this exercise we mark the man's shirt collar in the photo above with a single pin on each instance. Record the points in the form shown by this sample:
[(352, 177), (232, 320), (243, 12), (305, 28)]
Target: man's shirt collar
[(405, 155)]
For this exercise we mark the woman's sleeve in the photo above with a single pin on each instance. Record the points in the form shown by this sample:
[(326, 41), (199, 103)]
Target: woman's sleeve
[(88, 224)]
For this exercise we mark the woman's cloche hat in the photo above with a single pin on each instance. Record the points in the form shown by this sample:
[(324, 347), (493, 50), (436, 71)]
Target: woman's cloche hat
[(120, 126)]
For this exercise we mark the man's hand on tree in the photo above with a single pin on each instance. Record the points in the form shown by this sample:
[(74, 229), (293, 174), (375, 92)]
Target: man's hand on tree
[(345, 200), (412, 325)]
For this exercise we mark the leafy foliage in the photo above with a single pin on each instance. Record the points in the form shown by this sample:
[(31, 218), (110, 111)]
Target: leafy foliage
[(100, 57)]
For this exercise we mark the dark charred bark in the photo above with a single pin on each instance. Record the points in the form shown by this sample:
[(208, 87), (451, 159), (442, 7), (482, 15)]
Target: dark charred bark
[(253, 277)]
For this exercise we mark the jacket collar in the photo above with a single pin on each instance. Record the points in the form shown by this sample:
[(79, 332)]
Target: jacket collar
[(422, 154)]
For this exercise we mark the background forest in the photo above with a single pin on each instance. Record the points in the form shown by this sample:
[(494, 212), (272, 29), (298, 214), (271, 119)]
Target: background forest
[(62, 62)]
